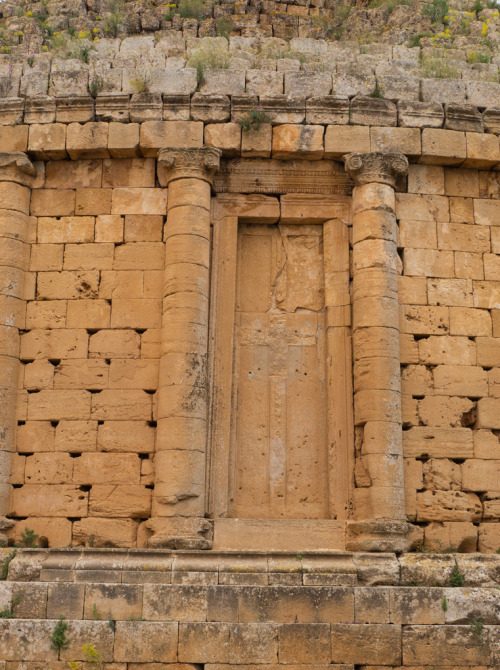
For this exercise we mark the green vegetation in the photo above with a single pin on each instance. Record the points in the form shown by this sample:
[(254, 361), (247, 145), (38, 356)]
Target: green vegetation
[(436, 10), (211, 56), (28, 539), (141, 82), (253, 119), (192, 9), (58, 639), (477, 630), (8, 612), (444, 604), (456, 578), (437, 68), (4, 566), (114, 21)]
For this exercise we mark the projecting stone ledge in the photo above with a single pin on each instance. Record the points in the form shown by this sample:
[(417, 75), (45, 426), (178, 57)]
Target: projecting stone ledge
[(161, 566)]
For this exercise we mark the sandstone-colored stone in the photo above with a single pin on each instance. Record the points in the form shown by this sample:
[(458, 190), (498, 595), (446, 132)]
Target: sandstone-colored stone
[(49, 501), (88, 140), (109, 500), (448, 506), (224, 136), (176, 134), (290, 141), (101, 532), (96, 468)]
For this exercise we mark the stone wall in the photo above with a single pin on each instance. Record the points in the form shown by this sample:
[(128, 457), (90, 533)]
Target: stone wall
[(156, 609), (90, 314)]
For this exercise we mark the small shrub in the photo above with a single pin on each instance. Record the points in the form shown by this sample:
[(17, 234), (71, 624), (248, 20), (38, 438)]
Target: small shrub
[(58, 639), (28, 539), (171, 9), (8, 612), (141, 83), (114, 20), (436, 10), (477, 7), (209, 57), (377, 91), (477, 630), (437, 68), (4, 566), (111, 622), (95, 86), (342, 12), (444, 605), (253, 119), (456, 578), (478, 57), (92, 655), (223, 27), (192, 9)]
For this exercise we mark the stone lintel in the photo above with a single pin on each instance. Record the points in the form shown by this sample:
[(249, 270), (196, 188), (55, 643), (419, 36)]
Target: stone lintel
[(196, 163)]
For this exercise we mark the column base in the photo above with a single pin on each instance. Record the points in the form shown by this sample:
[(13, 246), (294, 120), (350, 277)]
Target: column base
[(179, 533), (378, 535)]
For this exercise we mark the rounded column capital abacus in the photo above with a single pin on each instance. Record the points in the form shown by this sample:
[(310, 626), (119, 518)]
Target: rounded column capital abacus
[(16, 166), (201, 163), (376, 168)]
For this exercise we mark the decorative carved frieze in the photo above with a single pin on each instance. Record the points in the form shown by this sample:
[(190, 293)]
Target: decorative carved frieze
[(380, 168), (282, 176), (199, 163)]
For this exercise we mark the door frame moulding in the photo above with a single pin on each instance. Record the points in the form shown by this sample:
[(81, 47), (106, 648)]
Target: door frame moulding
[(334, 213)]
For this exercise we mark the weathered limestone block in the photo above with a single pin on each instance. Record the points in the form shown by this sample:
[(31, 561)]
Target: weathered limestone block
[(222, 82), (445, 411), (47, 141), (96, 468), (179, 134), (224, 136), (264, 82), (282, 108), (308, 84), (368, 111), (292, 140), (126, 436), (395, 140), (444, 90), (145, 642), (463, 117), (458, 535), (366, 643), (438, 442), (448, 506), (101, 532), (74, 110), (444, 147), (49, 501), (483, 94), (443, 644), (87, 141)]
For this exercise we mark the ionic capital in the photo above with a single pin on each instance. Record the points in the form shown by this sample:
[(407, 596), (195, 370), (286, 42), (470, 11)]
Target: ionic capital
[(200, 163), (379, 168), (16, 166)]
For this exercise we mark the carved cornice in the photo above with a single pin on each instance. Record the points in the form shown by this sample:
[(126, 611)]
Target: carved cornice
[(379, 168), (16, 166), (200, 163)]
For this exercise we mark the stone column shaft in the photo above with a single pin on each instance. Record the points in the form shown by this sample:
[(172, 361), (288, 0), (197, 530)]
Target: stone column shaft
[(379, 502), (181, 438), (16, 178)]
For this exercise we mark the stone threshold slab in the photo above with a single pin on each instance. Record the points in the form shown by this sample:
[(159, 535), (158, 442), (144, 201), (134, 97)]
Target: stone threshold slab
[(294, 535)]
